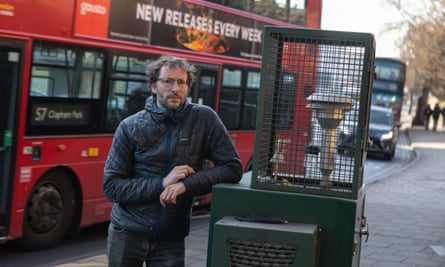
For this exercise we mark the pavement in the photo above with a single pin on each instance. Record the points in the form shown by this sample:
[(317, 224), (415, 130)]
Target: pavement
[(405, 212)]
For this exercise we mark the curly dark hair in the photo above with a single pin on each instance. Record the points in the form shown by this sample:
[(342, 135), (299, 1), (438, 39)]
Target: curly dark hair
[(171, 61)]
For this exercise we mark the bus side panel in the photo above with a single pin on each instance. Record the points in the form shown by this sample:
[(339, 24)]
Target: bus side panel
[(96, 207), (32, 16), (304, 74), (83, 158), (16, 224), (244, 143)]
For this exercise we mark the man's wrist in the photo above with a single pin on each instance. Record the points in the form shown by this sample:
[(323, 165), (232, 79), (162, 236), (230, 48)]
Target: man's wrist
[(185, 185)]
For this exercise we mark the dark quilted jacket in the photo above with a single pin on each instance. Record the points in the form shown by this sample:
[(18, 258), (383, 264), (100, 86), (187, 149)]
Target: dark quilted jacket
[(146, 146)]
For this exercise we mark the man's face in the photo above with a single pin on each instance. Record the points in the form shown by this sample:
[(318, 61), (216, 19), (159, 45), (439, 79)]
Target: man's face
[(171, 88)]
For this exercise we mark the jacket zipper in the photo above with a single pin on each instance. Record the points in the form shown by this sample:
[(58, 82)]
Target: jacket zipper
[(167, 170)]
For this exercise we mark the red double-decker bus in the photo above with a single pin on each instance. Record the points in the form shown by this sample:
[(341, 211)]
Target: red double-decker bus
[(71, 72)]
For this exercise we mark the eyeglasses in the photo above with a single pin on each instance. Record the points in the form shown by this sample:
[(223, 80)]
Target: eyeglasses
[(169, 82)]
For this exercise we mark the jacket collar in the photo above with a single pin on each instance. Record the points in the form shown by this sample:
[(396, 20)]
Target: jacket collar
[(166, 115)]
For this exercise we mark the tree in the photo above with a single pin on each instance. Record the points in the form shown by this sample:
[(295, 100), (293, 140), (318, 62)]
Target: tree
[(423, 48)]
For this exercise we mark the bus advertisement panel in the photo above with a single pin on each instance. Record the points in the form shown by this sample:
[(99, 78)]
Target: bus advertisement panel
[(178, 24), (70, 73)]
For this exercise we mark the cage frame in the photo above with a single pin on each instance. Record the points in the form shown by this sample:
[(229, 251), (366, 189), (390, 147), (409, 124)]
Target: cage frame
[(365, 40)]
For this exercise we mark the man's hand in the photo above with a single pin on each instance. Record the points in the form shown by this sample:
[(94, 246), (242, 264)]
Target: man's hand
[(172, 184), (177, 174), (171, 192)]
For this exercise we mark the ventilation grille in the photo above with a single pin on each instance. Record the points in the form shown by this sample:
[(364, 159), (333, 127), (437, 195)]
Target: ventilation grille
[(260, 254)]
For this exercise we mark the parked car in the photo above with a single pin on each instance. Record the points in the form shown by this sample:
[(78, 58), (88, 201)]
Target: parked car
[(382, 131)]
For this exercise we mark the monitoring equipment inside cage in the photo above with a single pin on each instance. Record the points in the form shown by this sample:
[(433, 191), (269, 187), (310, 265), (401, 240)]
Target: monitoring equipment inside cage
[(313, 111), (329, 111)]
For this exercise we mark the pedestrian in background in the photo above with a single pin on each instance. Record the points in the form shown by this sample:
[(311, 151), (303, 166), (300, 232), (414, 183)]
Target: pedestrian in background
[(156, 166), (436, 114), (426, 116), (443, 118)]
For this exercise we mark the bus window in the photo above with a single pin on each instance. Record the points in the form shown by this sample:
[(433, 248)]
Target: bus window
[(287, 96), (250, 110), (230, 98), (389, 72), (230, 106), (253, 79), (128, 89), (239, 98), (130, 66), (232, 78), (65, 72), (204, 90), (65, 88), (41, 85), (251, 100)]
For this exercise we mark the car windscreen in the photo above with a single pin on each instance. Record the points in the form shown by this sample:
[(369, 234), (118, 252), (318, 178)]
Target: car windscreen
[(381, 117)]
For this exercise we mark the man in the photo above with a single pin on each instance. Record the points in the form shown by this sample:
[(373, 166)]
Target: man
[(156, 166)]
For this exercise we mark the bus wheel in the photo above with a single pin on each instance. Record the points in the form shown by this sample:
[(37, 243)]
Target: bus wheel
[(49, 212)]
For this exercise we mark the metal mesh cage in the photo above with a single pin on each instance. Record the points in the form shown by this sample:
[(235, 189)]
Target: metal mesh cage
[(313, 109)]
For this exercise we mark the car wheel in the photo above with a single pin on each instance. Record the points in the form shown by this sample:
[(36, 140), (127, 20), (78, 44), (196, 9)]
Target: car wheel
[(388, 155), (393, 153)]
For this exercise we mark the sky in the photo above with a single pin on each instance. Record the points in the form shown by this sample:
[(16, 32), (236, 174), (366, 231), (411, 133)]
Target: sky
[(369, 16)]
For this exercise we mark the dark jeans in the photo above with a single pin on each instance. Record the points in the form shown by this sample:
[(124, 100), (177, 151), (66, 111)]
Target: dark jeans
[(130, 250)]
